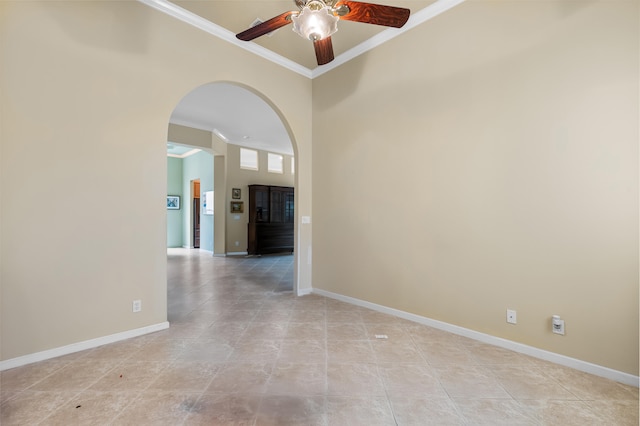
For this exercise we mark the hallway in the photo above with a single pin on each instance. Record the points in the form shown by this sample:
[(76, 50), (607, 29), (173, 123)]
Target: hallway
[(242, 350)]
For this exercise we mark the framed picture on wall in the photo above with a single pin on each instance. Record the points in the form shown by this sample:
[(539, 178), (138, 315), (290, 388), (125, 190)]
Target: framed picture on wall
[(173, 202), (237, 207), (235, 193)]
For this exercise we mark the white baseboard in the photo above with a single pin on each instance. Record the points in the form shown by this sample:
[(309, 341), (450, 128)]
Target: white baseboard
[(80, 346), (306, 291), (587, 367), (237, 253), (206, 251)]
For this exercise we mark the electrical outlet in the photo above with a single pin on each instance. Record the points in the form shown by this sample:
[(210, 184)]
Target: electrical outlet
[(137, 305), (511, 316), (557, 325)]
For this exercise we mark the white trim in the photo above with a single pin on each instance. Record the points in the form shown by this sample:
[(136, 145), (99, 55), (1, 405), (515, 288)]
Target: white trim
[(199, 22), (80, 346), (186, 154), (587, 367), (420, 17), (237, 253), (206, 251), (305, 291)]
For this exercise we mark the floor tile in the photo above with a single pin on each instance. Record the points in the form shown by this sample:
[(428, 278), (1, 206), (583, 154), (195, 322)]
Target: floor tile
[(32, 407), (413, 411), (354, 380), (290, 410), (357, 411), (243, 349), (470, 382)]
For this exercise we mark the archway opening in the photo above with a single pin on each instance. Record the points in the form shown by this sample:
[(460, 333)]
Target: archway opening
[(226, 119)]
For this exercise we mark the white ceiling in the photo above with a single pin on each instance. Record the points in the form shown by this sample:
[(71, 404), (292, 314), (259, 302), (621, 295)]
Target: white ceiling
[(236, 115), (242, 117)]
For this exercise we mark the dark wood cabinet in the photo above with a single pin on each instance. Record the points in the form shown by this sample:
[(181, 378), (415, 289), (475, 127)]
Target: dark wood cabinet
[(271, 217)]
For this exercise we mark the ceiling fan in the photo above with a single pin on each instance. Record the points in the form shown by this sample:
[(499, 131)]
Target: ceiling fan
[(317, 20)]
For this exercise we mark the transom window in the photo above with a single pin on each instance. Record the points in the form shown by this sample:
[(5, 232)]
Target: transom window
[(248, 159), (275, 163)]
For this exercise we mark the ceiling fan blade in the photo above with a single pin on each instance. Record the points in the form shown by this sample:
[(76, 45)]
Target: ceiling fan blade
[(266, 27), (370, 13), (324, 50)]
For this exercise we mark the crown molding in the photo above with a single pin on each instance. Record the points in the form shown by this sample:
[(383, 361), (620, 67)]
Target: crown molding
[(418, 18), (199, 22)]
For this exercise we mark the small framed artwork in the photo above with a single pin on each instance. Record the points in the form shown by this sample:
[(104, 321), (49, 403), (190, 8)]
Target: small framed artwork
[(173, 202), (235, 193), (237, 207)]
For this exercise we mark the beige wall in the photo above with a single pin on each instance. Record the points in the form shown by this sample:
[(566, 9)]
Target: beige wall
[(86, 91), (487, 160)]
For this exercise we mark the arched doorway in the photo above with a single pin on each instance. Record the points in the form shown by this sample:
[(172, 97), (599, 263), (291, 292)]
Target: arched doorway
[(228, 118)]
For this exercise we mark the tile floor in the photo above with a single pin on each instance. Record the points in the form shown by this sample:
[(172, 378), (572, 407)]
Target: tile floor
[(242, 350)]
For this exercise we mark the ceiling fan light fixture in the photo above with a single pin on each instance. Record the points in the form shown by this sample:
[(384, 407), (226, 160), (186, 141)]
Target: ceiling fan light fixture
[(315, 21)]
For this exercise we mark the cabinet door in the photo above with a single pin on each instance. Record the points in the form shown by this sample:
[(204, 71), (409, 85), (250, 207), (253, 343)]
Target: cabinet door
[(259, 204), (289, 203), (277, 206), (282, 205)]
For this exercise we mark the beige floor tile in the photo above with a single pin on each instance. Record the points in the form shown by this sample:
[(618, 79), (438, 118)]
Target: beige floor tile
[(495, 412), (185, 376), (342, 331), (273, 315), (292, 410), (358, 411), (163, 348), (565, 413), (313, 351), (394, 332), (225, 332), (589, 387), (76, 376), (306, 331), (470, 382), (6, 395), (130, 376), (32, 407), (374, 317), (91, 408), (493, 355), (232, 410), (242, 349), (298, 378), (315, 316), (354, 380), (206, 350), (344, 317), (256, 350), (414, 411), (411, 381), (529, 383), (445, 353), (622, 413), (157, 408), (20, 378), (262, 331), (241, 378), (399, 352), (350, 351)]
